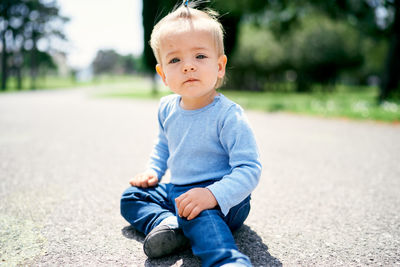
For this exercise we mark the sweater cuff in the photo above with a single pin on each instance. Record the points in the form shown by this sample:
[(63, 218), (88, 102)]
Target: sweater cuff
[(220, 199)]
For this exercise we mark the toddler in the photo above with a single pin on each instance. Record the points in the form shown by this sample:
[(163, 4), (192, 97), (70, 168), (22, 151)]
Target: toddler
[(204, 140)]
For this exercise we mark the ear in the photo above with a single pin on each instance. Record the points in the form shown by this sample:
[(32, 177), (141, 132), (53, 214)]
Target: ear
[(222, 60), (161, 73)]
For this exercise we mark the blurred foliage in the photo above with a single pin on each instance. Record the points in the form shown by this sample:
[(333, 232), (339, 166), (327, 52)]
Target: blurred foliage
[(318, 51), (23, 24), (305, 41), (374, 52), (321, 49), (110, 62), (377, 20), (259, 58), (272, 45), (105, 61)]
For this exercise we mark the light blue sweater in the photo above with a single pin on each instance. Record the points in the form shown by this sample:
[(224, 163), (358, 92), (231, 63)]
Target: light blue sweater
[(211, 143)]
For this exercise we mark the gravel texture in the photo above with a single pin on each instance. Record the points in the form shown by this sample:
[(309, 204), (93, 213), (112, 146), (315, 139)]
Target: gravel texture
[(329, 194)]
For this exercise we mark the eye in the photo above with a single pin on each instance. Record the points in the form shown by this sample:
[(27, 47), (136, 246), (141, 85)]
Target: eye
[(174, 60), (201, 56)]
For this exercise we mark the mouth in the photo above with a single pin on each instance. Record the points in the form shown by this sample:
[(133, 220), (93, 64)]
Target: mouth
[(191, 80)]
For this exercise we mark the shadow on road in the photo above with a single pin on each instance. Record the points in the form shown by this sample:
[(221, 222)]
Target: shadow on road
[(132, 233), (183, 258), (252, 245), (248, 241)]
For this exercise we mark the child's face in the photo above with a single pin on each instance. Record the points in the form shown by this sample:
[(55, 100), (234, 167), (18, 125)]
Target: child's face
[(190, 65)]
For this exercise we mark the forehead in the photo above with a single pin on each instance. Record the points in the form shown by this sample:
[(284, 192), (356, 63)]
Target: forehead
[(186, 39)]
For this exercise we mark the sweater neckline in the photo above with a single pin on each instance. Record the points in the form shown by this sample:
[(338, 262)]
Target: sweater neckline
[(195, 111)]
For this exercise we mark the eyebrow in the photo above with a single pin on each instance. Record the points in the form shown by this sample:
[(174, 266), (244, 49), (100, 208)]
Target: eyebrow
[(199, 48)]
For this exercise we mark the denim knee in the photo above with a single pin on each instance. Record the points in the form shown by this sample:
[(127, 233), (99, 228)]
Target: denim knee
[(238, 214), (145, 208), (127, 196)]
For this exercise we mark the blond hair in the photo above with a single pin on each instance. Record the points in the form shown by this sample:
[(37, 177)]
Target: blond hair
[(185, 18)]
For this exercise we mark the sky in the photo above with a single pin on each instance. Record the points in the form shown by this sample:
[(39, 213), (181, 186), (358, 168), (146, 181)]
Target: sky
[(101, 24)]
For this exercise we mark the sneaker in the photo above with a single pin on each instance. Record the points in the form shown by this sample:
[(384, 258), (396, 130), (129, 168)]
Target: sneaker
[(164, 240)]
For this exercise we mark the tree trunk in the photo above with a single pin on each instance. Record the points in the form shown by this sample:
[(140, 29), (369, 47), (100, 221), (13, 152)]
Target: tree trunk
[(154, 85), (34, 68), (4, 69), (19, 77), (17, 67), (149, 15), (302, 83), (391, 76)]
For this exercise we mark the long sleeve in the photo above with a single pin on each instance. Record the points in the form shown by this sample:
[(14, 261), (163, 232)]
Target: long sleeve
[(160, 153), (238, 141)]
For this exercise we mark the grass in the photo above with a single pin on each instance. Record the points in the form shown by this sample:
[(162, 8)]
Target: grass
[(50, 82), (57, 82), (345, 102)]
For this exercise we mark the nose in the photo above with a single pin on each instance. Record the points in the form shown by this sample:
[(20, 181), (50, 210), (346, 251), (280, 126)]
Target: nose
[(188, 68)]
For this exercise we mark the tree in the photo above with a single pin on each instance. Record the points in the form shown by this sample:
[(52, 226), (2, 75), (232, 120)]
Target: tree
[(152, 12), (320, 49), (391, 77), (259, 58), (23, 23), (377, 19), (7, 11), (380, 19), (106, 61), (110, 62)]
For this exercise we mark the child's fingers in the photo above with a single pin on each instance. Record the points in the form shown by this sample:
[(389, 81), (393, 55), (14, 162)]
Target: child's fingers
[(144, 181), (133, 182), (180, 203), (187, 210), (153, 180), (139, 180), (193, 214), (186, 206), (178, 200)]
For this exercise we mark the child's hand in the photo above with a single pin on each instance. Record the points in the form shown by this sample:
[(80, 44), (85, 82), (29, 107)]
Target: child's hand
[(145, 179), (194, 201)]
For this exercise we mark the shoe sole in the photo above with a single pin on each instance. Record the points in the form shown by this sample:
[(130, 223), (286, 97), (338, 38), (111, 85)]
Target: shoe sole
[(163, 242)]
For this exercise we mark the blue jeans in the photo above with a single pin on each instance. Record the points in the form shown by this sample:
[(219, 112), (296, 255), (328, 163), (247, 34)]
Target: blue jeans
[(210, 232)]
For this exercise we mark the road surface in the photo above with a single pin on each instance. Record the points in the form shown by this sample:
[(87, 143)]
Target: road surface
[(329, 193)]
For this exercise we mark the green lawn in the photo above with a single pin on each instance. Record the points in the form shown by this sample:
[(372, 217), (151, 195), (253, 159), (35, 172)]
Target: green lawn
[(50, 82), (345, 102), (56, 82), (352, 104)]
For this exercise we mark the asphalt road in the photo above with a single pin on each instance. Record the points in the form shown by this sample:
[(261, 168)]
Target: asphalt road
[(329, 193)]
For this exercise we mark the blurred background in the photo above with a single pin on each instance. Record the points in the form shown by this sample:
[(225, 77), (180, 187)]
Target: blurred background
[(327, 58)]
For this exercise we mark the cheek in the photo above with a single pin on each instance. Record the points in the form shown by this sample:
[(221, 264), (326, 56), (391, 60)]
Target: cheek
[(171, 80), (167, 78), (169, 73), (214, 69), (212, 72)]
